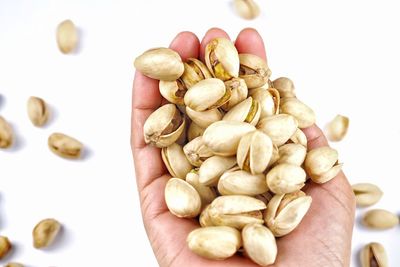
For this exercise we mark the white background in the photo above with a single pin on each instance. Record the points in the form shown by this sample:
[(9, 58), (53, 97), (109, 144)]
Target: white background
[(343, 56)]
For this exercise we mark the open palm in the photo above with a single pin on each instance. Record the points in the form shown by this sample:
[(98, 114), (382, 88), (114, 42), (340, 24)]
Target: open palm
[(322, 239)]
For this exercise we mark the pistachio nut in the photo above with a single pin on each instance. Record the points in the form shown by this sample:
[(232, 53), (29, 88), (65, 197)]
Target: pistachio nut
[(247, 9), (275, 156), (299, 138), (336, 129), (259, 244), (269, 100), (175, 160), (14, 264), (321, 164), (214, 242), (45, 233), (204, 218), (182, 199), (173, 91), (5, 246), (373, 255), (222, 59), (65, 146), (242, 183), (239, 92), (182, 140), (237, 221), (248, 110), (285, 212), (6, 134), (304, 115), (254, 70), (164, 126), (160, 64), (223, 137), (366, 194), (197, 152), (254, 152), (207, 94), (292, 153), (285, 87), (204, 118), (278, 127), (380, 219), (195, 71), (235, 204), (38, 111), (207, 194), (285, 178), (67, 36), (212, 169), (194, 131)]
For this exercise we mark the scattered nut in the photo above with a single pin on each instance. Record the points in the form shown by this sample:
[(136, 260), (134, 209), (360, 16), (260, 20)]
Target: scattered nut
[(67, 36), (5, 246), (366, 194), (373, 255), (38, 111), (45, 232), (65, 146), (247, 9), (380, 219), (6, 134), (336, 130)]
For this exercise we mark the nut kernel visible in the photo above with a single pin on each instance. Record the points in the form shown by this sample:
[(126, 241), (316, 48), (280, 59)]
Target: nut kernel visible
[(65, 146), (45, 232), (373, 255)]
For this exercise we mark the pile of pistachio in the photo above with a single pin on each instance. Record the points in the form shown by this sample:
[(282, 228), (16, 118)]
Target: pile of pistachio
[(232, 141)]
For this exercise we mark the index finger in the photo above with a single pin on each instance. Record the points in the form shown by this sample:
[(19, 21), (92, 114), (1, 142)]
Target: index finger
[(249, 41)]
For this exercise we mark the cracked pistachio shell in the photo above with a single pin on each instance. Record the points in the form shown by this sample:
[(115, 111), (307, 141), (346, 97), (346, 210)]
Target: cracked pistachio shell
[(285, 212), (247, 9), (223, 137), (173, 91), (195, 71), (239, 92), (207, 94), (242, 183), (373, 255), (160, 64), (214, 242), (164, 126), (67, 36), (222, 59), (197, 152), (212, 169), (292, 153), (235, 204), (266, 197), (304, 115), (207, 194), (269, 100), (239, 220), (336, 129), (299, 138), (366, 194), (248, 110), (254, 152), (254, 70), (286, 178), (182, 199), (275, 155), (5, 246), (285, 87), (278, 127), (175, 160), (45, 233), (38, 111), (259, 244), (204, 218), (65, 146), (321, 164), (194, 131), (6, 134), (204, 118), (380, 219)]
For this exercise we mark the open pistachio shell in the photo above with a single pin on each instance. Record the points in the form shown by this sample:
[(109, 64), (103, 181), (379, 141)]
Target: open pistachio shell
[(173, 91), (286, 178), (239, 220), (248, 111), (235, 204), (374, 255), (278, 127), (322, 164), (194, 131), (195, 71), (304, 115), (204, 218), (366, 194), (182, 199), (242, 183), (239, 92), (175, 161), (254, 70), (285, 87), (197, 152), (207, 194), (222, 59), (292, 153), (164, 126), (204, 118), (160, 64), (269, 100), (212, 169)]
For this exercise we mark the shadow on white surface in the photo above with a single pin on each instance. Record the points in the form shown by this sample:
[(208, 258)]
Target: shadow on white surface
[(60, 242), (54, 114), (1, 101)]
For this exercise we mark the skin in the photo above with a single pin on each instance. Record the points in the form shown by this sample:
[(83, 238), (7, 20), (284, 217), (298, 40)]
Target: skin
[(323, 238)]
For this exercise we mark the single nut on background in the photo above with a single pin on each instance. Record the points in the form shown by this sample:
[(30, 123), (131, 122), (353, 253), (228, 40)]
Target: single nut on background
[(380, 219), (222, 59), (67, 36), (214, 242), (280, 128), (38, 111), (373, 255), (285, 87), (254, 70), (6, 134), (336, 129), (304, 115), (195, 71), (285, 178), (259, 244), (175, 160), (247, 9), (65, 146), (5, 246), (239, 92), (322, 165), (249, 110), (366, 194), (160, 64), (45, 233), (269, 100)]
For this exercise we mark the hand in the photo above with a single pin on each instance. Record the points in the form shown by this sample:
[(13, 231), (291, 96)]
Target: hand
[(322, 239)]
